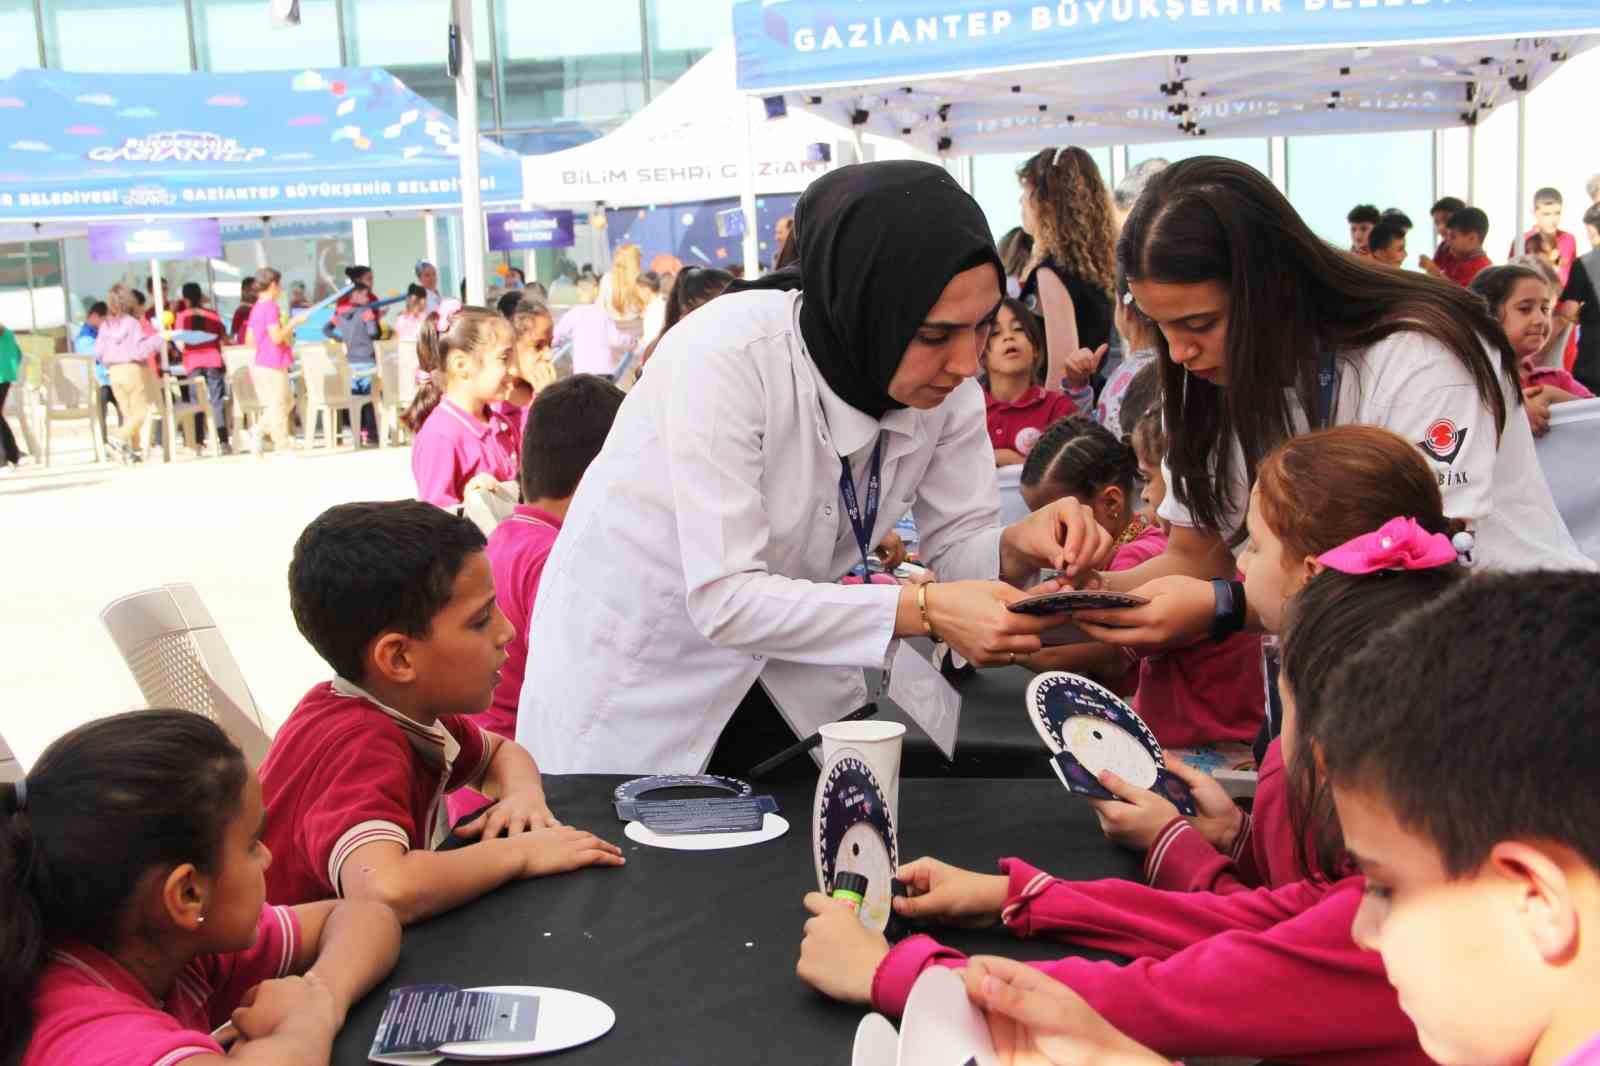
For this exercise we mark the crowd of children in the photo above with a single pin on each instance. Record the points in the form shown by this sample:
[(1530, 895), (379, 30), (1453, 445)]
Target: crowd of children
[(1396, 703)]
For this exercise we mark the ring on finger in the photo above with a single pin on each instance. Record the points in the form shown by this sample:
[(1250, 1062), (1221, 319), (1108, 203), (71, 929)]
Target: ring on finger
[(1013, 658)]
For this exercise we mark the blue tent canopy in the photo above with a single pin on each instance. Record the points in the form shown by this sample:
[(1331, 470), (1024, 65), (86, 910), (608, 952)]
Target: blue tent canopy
[(970, 76), (78, 147)]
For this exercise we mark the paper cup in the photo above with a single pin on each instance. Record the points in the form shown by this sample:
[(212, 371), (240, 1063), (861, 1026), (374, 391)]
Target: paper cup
[(879, 743)]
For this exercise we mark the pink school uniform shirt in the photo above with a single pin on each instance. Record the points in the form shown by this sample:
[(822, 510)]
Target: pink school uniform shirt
[(595, 338), (264, 315), (517, 551), (1556, 377), (124, 339), (453, 447), (1267, 974), (89, 1011), (1587, 1055)]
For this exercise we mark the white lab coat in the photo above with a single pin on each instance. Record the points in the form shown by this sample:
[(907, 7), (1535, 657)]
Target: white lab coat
[(704, 546)]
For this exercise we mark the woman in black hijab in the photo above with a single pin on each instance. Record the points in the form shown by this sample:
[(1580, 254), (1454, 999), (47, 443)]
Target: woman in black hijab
[(721, 536)]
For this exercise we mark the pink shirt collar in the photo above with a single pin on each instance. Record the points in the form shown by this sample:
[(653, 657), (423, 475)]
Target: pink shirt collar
[(479, 429), (104, 971)]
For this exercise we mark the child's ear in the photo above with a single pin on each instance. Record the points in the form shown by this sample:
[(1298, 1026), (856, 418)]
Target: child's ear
[(1115, 500), (391, 658), (1547, 905), (184, 895), (1312, 567)]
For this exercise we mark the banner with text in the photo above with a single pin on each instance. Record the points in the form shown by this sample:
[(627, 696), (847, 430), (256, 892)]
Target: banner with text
[(135, 242), (512, 231)]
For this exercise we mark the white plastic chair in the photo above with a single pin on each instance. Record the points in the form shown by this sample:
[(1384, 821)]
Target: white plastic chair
[(70, 394), (237, 359), (178, 658), (386, 390), (327, 388)]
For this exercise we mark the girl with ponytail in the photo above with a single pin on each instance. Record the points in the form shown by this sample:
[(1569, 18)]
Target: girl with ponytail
[(133, 909), (468, 434)]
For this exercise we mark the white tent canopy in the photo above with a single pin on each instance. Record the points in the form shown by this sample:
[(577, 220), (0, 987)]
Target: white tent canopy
[(689, 144), (974, 76)]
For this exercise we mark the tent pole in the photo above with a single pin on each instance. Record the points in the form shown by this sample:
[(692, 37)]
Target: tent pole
[(747, 197), (430, 238), (472, 242), (1522, 164), (168, 423), (1472, 164), (1438, 165)]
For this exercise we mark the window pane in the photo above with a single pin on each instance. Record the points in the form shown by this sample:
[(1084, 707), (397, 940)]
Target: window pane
[(41, 304), (681, 31), (1329, 175), (581, 70), (233, 35), (994, 185), (410, 39), (116, 36), (19, 42)]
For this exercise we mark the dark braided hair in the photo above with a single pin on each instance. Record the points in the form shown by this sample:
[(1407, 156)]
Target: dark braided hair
[(1079, 457)]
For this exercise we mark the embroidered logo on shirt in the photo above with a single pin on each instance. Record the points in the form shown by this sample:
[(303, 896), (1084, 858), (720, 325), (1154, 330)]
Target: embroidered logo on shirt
[(1443, 440), (1027, 438)]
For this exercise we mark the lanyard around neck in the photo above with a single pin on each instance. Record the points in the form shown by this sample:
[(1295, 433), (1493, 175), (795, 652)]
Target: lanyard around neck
[(862, 520)]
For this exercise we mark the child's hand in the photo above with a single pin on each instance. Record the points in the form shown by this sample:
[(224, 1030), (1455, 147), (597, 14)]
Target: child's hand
[(1220, 819), (950, 894), (1538, 400), (1082, 364), (1136, 818), (891, 550), (562, 849), (301, 1001), (516, 813), (1035, 1019), (1426, 263), (838, 955), (483, 482)]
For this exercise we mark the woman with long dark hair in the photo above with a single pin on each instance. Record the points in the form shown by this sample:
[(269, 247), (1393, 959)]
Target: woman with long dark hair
[(1066, 210), (1264, 331)]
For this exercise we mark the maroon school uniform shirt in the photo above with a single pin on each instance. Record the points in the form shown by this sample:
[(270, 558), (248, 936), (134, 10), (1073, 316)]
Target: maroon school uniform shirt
[(1206, 693), (1462, 271), (1019, 424), (344, 771)]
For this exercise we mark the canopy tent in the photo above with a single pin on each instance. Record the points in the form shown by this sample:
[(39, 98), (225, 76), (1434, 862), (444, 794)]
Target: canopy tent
[(87, 147), (975, 76), (689, 144)]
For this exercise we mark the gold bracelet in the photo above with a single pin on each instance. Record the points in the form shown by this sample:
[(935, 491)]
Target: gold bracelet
[(922, 608)]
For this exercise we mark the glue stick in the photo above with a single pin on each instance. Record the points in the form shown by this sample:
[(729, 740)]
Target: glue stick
[(850, 887)]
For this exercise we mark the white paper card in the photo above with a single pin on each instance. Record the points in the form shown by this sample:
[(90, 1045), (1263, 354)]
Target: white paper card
[(926, 697)]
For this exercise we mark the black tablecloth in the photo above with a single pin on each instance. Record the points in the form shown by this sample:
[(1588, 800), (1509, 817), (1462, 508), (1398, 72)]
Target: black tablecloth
[(696, 950), (995, 738)]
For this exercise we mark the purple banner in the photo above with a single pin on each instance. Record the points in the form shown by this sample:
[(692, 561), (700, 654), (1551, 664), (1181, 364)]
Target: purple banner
[(138, 242), (512, 231)]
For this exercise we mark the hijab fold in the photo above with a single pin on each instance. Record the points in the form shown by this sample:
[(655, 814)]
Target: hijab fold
[(878, 244)]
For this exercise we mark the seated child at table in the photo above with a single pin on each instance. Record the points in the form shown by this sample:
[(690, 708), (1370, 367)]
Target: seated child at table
[(1522, 298), (1379, 474), (1204, 694), (1315, 997), (1482, 870), (133, 913), (467, 435), (399, 599), (567, 425), (1018, 408)]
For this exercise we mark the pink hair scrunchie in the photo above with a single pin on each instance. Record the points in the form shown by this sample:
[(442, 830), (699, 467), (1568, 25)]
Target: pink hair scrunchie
[(1398, 544)]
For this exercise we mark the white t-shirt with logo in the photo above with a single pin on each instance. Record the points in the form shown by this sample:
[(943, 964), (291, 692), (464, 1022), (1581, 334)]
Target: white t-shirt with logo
[(1411, 384)]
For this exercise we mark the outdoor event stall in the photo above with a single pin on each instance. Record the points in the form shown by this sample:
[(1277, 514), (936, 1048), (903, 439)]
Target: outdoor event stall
[(974, 76), (83, 149), (701, 141)]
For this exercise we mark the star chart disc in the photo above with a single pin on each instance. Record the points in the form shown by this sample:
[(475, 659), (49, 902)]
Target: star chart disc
[(853, 830)]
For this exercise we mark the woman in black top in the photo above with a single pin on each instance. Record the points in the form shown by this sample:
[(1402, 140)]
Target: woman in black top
[(1067, 211)]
